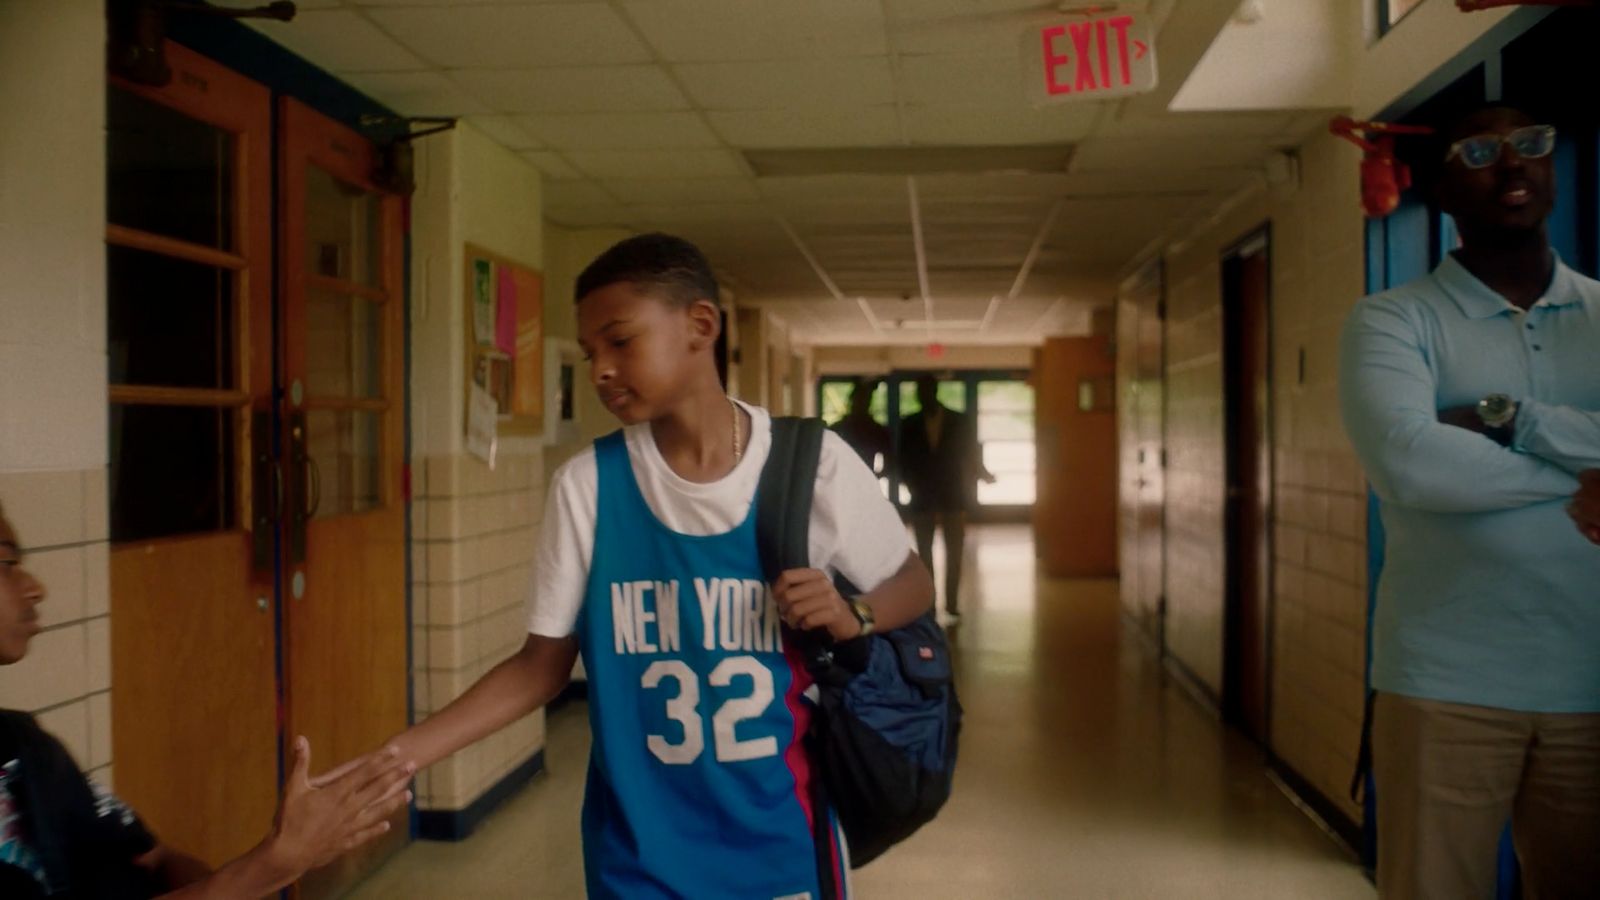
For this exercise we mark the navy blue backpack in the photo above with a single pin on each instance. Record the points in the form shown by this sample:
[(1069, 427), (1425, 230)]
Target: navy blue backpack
[(884, 734)]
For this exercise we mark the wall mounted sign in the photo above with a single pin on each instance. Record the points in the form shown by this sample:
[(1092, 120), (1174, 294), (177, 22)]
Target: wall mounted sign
[(1089, 58), (505, 340)]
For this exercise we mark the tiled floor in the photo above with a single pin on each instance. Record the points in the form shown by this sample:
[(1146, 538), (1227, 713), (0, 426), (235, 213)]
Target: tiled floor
[(1084, 774)]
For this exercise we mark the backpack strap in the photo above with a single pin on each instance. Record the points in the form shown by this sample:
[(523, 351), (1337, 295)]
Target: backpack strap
[(783, 537), (783, 497)]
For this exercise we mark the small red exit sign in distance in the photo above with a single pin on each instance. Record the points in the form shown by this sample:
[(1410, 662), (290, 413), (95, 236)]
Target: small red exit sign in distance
[(1089, 58)]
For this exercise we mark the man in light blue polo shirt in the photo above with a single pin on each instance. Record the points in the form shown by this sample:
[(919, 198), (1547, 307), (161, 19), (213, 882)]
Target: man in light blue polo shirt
[(1472, 397)]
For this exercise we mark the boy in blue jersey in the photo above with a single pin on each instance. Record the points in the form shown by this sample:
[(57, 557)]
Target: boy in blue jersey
[(699, 783)]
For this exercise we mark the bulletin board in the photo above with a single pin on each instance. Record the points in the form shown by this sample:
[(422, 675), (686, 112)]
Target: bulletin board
[(505, 338)]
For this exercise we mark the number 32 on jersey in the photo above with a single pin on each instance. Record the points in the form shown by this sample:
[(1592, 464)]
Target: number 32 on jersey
[(684, 709)]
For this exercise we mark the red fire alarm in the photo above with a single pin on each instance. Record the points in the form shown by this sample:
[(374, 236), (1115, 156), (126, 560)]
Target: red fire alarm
[(935, 350), (1383, 177)]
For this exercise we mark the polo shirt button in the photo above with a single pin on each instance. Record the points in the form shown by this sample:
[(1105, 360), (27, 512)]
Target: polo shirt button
[(1537, 347)]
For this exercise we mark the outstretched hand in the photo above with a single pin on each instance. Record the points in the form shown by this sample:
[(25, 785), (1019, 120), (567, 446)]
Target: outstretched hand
[(321, 819), (1585, 506)]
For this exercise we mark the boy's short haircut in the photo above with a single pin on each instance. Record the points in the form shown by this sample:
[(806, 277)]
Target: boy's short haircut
[(671, 265)]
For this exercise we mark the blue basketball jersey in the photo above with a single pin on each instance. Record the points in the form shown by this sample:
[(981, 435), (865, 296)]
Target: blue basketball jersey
[(699, 785)]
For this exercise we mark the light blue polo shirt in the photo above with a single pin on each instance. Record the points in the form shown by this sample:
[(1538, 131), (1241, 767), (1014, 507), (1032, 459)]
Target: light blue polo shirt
[(1489, 595)]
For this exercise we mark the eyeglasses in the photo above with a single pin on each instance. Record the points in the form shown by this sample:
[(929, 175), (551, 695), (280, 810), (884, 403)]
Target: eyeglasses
[(1483, 151)]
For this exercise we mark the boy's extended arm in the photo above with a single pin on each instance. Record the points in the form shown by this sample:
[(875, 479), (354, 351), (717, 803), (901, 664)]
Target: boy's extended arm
[(529, 679)]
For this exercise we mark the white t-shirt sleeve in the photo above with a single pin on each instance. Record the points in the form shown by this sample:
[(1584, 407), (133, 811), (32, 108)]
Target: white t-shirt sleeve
[(855, 530), (566, 548)]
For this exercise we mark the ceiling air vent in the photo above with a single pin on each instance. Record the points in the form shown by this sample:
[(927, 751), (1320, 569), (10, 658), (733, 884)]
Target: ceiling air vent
[(1025, 160)]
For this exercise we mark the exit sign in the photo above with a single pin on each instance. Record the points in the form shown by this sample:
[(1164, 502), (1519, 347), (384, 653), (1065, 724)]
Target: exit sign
[(1089, 58)]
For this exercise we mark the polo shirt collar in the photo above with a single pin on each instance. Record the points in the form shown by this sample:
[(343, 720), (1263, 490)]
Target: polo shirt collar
[(1478, 301)]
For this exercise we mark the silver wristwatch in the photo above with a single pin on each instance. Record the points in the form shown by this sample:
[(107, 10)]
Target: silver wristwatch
[(1497, 410)]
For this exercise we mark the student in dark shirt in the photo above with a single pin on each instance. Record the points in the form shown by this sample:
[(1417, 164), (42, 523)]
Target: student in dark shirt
[(941, 463), (61, 835), (870, 440)]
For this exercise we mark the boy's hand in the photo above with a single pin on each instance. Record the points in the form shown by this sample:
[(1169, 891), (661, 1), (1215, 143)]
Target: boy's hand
[(808, 600), (1585, 506), (319, 821)]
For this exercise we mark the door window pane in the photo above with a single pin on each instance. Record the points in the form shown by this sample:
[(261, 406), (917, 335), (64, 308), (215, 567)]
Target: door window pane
[(838, 395), (952, 396), (344, 341), (171, 471), (342, 222), (344, 447), (1005, 431), (169, 323), (167, 173)]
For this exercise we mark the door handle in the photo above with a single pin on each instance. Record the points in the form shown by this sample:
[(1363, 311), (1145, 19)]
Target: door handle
[(315, 471), (299, 471), (266, 482)]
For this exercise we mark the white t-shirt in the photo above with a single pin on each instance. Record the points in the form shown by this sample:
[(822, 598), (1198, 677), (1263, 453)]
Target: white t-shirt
[(855, 531)]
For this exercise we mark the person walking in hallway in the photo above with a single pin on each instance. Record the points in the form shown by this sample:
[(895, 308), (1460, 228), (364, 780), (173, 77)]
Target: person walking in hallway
[(861, 431), (1472, 397), (941, 463)]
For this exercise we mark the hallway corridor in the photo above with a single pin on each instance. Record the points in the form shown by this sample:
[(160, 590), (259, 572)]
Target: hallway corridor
[(1085, 773)]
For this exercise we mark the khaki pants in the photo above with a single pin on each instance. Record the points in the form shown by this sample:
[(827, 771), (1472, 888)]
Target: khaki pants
[(1450, 776)]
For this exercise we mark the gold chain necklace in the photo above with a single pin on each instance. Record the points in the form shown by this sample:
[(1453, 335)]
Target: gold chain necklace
[(738, 451)]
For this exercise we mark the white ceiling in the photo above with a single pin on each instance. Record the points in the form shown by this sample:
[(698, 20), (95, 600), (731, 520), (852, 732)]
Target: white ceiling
[(639, 112)]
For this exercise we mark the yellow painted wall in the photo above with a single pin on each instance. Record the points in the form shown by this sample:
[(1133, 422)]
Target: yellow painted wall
[(474, 528)]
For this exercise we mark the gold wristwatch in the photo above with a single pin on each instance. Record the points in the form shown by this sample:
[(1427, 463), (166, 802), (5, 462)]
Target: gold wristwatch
[(863, 615)]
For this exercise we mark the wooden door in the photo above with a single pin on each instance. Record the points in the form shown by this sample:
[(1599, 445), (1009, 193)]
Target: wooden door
[(189, 341), (345, 607), (1247, 390), (1075, 514)]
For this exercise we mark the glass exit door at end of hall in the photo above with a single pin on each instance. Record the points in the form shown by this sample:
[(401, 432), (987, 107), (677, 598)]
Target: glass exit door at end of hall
[(1002, 403)]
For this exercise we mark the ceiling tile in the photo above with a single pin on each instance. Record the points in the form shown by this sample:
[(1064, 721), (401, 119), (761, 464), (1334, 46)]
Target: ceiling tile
[(834, 212), (658, 163), (417, 93), (559, 194), (981, 125), (507, 130), (729, 221), (846, 188), (595, 216), (1003, 186), (340, 41), (551, 164), (515, 36), (782, 84), (586, 89), (1180, 125), (962, 80), (622, 131), (684, 191), (962, 26), (1142, 153), (794, 129), (1191, 182), (726, 30)]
